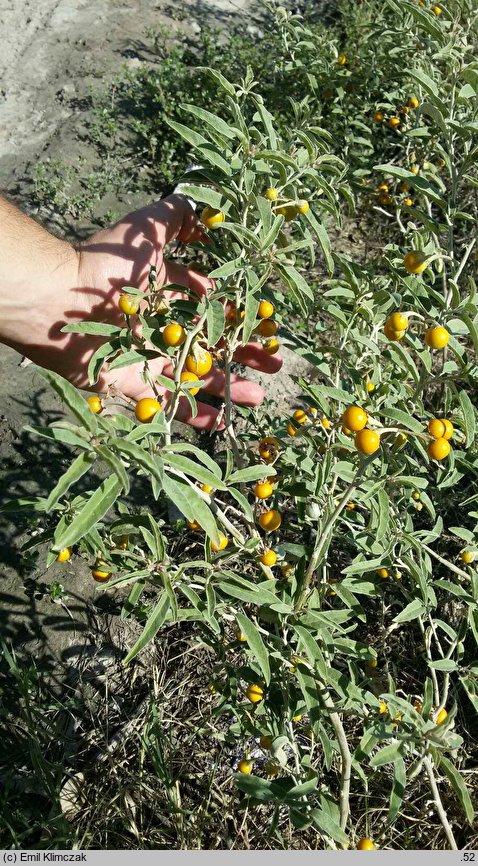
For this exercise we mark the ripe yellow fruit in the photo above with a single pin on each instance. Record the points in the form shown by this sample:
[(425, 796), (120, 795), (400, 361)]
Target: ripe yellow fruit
[(174, 335), (100, 576), (436, 10), (271, 193), (372, 663), (393, 122), (238, 634), (300, 417), (408, 202), (415, 262), (413, 102), (466, 556), (441, 716), (270, 520), (370, 387), (391, 334), (288, 211), (266, 310), (212, 218), (297, 719), (355, 418), (303, 206), (365, 845), (383, 708), (223, 542), (186, 376), (342, 59), (245, 767), (325, 423), (269, 557), (63, 555), (404, 109), (379, 117), (367, 441), (398, 322), (254, 693), (448, 428), (146, 409), (207, 488), (95, 404), (436, 428), (267, 328), (438, 449), (263, 490), (271, 346), (202, 365), (128, 304), (266, 742), (383, 572), (437, 338)]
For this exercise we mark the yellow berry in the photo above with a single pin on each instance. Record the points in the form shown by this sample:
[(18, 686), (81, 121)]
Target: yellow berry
[(207, 488), (267, 328), (95, 404), (240, 636), (63, 555), (269, 558), (271, 346), (342, 59), (271, 193), (270, 520), (383, 708), (186, 376), (415, 262), (436, 428), (303, 206), (408, 202), (266, 310), (174, 335), (300, 417), (438, 449), (391, 334), (378, 117), (383, 572), (201, 364), (440, 717), (354, 418), (367, 441), (254, 693), (146, 409), (398, 322), (128, 304), (365, 845), (212, 218), (466, 556), (263, 490), (370, 387), (436, 10), (437, 338), (245, 767), (413, 102), (448, 428), (223, 542), (393, 122), (100, 576)]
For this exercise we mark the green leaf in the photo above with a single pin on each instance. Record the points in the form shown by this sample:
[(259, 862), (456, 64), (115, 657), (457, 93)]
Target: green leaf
[(97, 329), (398, 789), (193, 469), (78, 468), (255, 787), (403, 418), (456, 780), (387, 755), (134, 356), (328, 826), (94, 510), (213, 121), (179, 447), (468, 417), (251, 473), (189, 135), (323, 240), (204, 194), (215, 321), (153, 624), (151, 465), (411, 611), (256, 644), (133, 598), (72, 398)]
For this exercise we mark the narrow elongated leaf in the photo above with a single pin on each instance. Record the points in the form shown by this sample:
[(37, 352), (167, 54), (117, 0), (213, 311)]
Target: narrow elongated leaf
[(94, 510), (387, 755), (213, 121), (97, 329), (71, 397), (139, 456), (133, 598), (219, 78), (251, 473), (456, 780), (215, 321), (189, 135), (468, 417), (193, 469), (256, 644), (398, 788), (153, 624), (78, 468), (323, 240), (411, 611)]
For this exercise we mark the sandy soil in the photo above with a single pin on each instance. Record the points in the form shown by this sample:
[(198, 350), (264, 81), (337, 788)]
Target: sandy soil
[(53, 51)]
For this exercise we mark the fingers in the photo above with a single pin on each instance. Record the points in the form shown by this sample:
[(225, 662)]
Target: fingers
[(253, 356), (242, 390), (175, 219), (173, 272), (205, 419)]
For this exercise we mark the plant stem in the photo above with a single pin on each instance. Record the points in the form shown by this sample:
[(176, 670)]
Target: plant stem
[(438, 803)]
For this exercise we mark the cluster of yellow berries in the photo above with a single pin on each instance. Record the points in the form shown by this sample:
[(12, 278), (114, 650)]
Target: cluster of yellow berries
[(354, 420), (436, 337), (394, 122), (302, 417), (267, 328), (285, 207), (441, 431), (385, 195)]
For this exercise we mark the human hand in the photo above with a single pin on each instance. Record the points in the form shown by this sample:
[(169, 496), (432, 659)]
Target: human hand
[(121, 256)]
